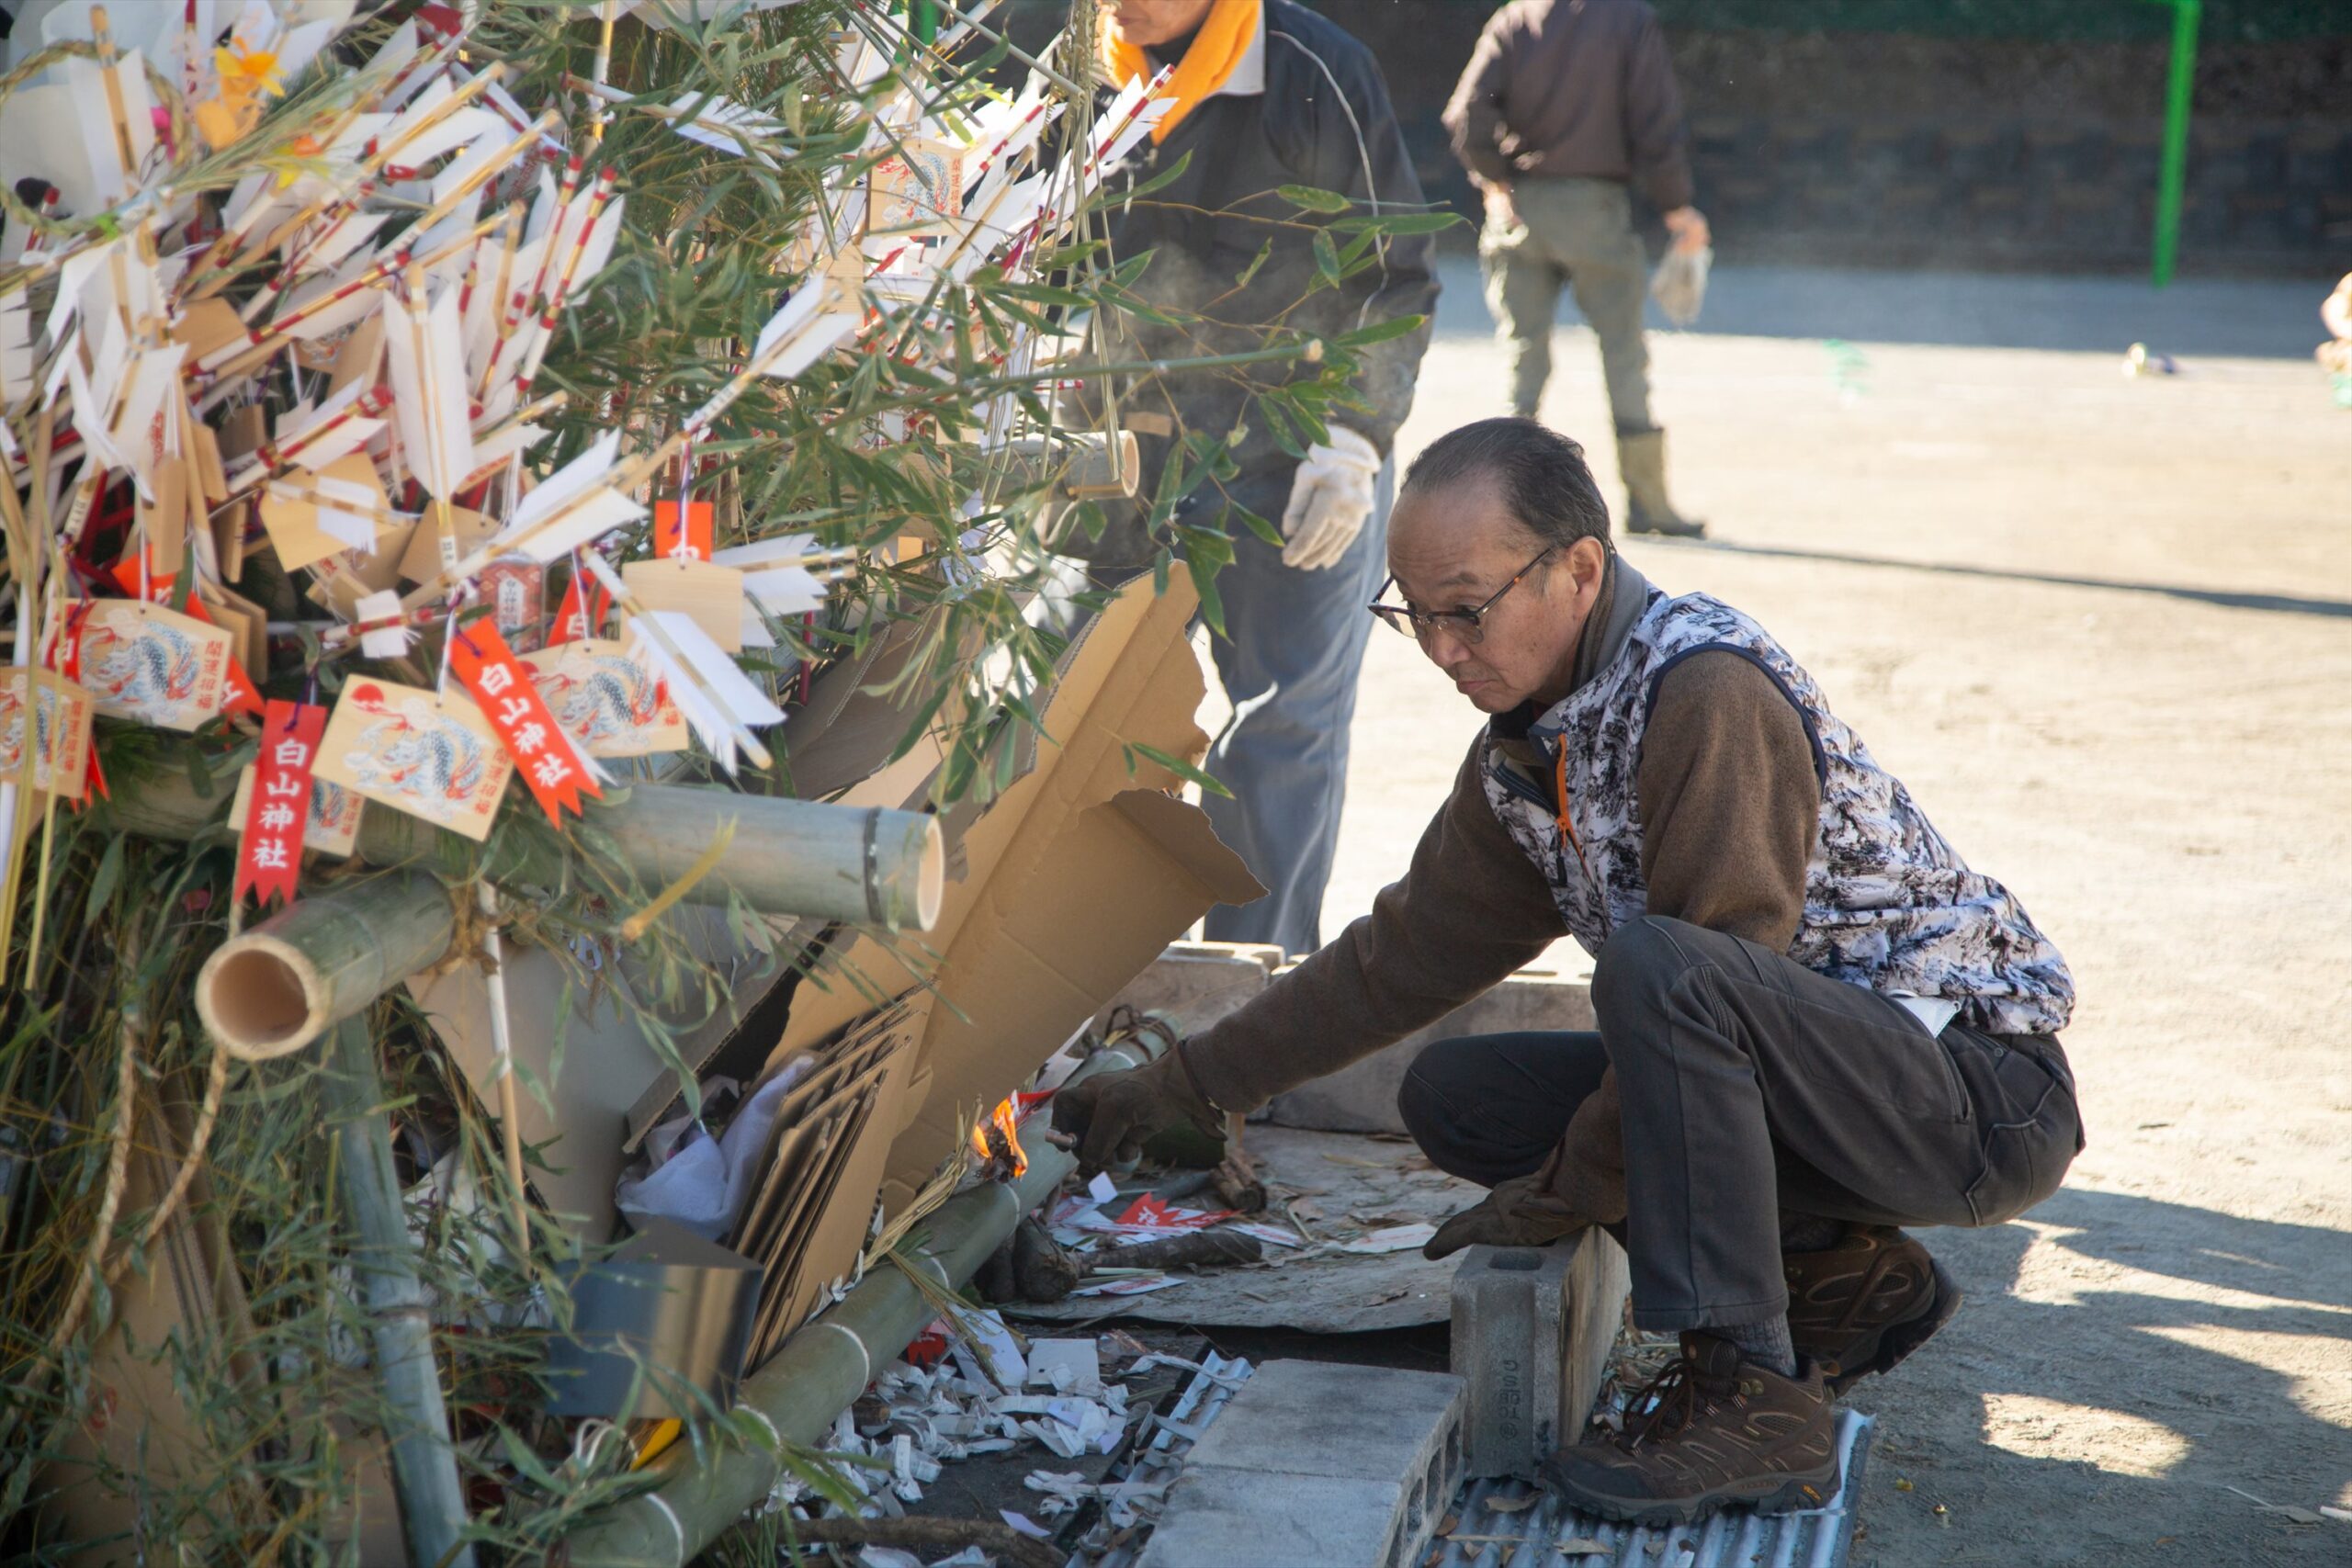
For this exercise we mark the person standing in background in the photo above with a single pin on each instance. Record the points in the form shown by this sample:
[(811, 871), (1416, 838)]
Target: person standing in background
[(1565, 105), (1267, 94)]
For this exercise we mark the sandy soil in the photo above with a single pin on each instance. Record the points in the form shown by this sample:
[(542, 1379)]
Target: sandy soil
[(2103, 629)]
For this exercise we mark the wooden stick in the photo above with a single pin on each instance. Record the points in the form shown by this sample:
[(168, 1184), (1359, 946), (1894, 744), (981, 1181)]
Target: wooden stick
[(510, 1115)]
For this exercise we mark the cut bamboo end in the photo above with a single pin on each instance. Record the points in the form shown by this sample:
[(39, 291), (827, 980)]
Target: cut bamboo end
[(261, 998), (930, 875)]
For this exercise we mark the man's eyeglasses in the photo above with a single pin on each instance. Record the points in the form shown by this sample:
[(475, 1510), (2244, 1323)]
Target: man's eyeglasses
[(1467, 625)]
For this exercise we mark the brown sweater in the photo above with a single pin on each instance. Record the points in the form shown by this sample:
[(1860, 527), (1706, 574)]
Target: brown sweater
[(1729, 807)]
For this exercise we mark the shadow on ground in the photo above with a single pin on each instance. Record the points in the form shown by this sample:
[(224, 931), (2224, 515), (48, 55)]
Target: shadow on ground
[(2103, 1418)]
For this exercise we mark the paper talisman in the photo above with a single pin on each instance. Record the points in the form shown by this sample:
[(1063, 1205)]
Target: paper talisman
[(61, 731), (274, 812), (332, 827), (608, 701), (515, 587), (154, 666), (434, 758), (690, 543), (551, 766)]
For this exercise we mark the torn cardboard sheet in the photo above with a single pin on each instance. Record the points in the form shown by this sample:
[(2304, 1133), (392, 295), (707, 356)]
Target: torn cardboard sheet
[(1077, 876)]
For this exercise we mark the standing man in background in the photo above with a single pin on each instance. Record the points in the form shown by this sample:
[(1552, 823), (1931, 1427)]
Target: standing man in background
[(1268, 94), (1566, 104)]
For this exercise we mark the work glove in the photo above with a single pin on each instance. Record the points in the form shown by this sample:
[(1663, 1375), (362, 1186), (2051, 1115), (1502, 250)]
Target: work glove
[(1329, 499), (1580, 1183), (1112, 1114)]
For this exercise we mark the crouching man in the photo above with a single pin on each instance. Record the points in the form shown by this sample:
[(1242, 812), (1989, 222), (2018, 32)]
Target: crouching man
[(1817, 1024)]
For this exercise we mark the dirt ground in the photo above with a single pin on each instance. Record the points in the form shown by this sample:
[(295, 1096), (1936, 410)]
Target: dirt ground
[(2103, 629)]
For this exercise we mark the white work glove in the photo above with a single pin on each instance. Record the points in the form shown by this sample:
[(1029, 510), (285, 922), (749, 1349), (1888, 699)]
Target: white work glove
[(1330, 500)]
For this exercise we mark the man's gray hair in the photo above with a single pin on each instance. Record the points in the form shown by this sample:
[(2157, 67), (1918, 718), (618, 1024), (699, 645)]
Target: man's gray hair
[(1542, 474)]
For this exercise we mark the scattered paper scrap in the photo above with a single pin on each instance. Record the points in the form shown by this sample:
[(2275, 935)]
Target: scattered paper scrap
[(1394, 1239)]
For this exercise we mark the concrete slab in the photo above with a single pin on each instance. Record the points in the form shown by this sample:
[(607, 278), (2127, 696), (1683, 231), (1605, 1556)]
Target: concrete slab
[(1268, 1486), (1361, 1098)]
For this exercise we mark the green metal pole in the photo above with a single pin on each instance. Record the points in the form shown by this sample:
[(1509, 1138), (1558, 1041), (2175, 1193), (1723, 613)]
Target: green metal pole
[(2174, 178)]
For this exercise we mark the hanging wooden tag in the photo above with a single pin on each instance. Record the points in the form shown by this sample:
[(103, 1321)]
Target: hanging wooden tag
[(154, 666), (433, 756), (711, 596), (610, 703), (422, 559), (61, 765)]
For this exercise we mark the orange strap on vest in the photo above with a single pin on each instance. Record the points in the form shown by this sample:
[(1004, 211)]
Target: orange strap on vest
[(1560, 792)]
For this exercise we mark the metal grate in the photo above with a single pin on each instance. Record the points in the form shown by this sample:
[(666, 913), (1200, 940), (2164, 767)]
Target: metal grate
[(1485, 1536)]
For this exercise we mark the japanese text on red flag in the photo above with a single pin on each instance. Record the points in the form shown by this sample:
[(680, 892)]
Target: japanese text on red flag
[(269, 852), (673, 542), (544, 754), (574, 623)]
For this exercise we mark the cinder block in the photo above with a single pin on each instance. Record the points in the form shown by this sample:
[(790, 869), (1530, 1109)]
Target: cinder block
[(1362, 1097), (1317, 1465), (1532, 1327), (1199, 983)]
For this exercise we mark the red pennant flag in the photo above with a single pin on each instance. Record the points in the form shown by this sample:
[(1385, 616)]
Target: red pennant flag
[(269, 851), (544, 755), (690, 543), (574, 625)]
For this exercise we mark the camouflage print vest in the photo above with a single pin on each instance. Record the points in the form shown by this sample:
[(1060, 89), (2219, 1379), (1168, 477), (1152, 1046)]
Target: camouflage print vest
[(1888, 904)]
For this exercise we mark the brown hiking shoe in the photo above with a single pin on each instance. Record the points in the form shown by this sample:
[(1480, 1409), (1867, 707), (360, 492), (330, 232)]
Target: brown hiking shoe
[(1710, 1430), (1862, 1305)]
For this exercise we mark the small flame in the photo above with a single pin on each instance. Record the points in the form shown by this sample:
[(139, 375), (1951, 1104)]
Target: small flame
[(997, 1139)]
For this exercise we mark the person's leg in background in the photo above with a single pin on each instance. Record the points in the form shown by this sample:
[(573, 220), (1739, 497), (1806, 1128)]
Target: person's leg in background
[(1523, 295), (1290, 658), (1589, 224)]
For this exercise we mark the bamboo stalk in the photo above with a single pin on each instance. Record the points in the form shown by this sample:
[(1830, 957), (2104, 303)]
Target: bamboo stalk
[(821, 1369), (277, 986), (425, 1471)]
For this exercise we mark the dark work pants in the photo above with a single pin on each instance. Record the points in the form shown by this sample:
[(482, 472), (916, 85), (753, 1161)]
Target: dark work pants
[(1752, 1085)]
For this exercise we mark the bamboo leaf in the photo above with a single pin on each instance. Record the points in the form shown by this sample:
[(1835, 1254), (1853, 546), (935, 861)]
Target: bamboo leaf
[(1313, 199)]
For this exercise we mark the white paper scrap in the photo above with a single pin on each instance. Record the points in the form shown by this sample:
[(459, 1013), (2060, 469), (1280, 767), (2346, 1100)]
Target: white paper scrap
[(1393, 1239)]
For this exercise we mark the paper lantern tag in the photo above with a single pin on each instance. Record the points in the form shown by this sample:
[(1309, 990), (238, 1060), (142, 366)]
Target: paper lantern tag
[(433, 756), (154, 666), (610, 703), (552, 766), (269, 843)]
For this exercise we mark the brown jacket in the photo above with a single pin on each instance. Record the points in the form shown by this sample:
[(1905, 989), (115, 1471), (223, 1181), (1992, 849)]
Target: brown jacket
[(1730, 807), (1582, 88)]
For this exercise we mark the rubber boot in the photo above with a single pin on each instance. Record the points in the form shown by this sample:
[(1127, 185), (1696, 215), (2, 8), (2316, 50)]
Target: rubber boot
[(1641, 459)]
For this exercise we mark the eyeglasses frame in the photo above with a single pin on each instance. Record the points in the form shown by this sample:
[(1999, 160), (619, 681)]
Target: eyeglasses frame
[(1475, 632)]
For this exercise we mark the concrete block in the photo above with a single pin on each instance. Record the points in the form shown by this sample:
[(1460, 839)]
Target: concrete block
[(1199, 983), (1317, 1464), (1533, 1328), (1362, 1097)]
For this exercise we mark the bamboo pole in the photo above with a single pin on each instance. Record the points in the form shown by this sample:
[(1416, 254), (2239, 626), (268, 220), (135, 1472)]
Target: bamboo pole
[(821, 1369), (276, 986), (866, 867), (425, 1472)]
